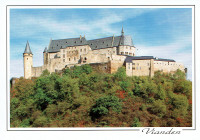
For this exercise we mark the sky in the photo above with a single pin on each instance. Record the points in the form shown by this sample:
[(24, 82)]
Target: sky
[(158, 32)]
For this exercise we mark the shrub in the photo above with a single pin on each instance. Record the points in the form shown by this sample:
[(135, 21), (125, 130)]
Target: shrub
[(40, 122), (158, 108), (120, 74), (103, 104), (160, 93), (136, 122)]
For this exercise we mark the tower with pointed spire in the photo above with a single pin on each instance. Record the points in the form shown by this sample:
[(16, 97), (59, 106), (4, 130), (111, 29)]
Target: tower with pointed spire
[(28, 61), (122, 32)]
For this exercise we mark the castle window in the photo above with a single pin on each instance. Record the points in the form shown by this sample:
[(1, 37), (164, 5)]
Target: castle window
[(63, 55), (66, 42), (74, 58), (126, 52), (63, 51), (133, 68), (27, 58), (84, 50), (105, 67), (122, 53), (81, 50), (63, 60), (69, 59), (85, 58)]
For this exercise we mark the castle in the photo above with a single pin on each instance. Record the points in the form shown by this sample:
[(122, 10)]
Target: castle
[(108, 54)]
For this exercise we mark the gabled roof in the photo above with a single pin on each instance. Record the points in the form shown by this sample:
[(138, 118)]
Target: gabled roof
[(27, 49)]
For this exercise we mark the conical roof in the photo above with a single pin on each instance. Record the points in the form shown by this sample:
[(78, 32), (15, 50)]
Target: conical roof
[(27, 49)]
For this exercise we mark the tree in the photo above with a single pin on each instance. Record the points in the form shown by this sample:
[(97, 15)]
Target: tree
[(120, 74), (103, 104), (158, 108)]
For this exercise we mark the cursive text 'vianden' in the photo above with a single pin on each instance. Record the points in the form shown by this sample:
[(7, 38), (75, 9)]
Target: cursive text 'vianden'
[(153, 131)]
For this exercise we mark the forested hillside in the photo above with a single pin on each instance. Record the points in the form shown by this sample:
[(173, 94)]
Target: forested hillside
[(83, 97)]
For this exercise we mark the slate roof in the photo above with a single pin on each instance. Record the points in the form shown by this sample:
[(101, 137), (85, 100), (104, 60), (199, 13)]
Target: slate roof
[(56, 45), (27, 49), (130, 58)]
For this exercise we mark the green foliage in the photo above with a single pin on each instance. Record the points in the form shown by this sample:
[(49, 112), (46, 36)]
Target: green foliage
[(124, 85), (160, 93), (184, 87), (158, 108), (179, 75), (136, 122), (81, 97), (103, 105), (45, 73), (40, 122), (120, 74)]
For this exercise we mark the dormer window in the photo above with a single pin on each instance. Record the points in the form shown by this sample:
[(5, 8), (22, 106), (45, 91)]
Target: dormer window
[(96, 46), (75, 42), (81, 41), (91, 43), (103, 42), (57, 44), (66, 42)]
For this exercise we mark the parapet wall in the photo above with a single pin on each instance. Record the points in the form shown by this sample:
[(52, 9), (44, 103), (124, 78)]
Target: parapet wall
[(37, 71)]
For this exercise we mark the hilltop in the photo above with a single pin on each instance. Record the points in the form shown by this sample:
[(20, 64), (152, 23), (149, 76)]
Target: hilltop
[(85, 97)]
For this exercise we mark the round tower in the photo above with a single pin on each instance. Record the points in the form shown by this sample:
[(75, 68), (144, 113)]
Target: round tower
[(28, 62)]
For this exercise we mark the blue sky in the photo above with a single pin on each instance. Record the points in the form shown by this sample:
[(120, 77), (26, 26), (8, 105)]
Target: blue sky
[(160, 32)]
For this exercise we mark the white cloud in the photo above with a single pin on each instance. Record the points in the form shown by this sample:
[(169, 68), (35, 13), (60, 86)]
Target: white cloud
[(174, 50)]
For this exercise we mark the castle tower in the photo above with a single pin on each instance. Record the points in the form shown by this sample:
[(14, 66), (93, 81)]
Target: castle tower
[(28, 62), (45, 56)]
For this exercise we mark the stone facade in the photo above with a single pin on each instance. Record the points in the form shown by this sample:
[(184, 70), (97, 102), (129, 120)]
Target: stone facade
[(107, 54)]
